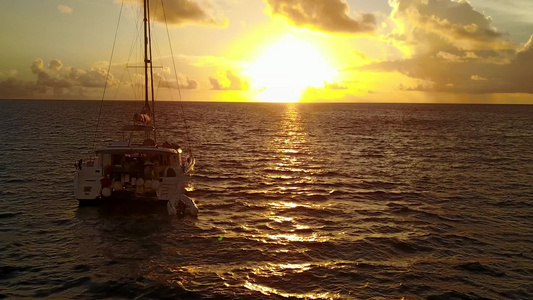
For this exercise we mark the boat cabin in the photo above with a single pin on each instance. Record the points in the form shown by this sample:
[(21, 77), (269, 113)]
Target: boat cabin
[(137, 168)]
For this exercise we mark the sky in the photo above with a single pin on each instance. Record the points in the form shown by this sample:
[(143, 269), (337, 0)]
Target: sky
[(431, 51)]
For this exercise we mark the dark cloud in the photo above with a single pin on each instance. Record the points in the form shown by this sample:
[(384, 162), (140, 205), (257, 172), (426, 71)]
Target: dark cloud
[(433, 25), (49, 78), (451, 47), (323, 15), (185, 82), (189, 84), (215, 84), (37, 66), (236, 83), (56, 80), (526, 55), (55, 65), (511, 16), (465, 74), (182, 12), (13, 88)]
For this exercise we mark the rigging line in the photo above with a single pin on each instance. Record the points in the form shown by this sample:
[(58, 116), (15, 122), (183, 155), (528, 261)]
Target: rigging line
[(163, 75), (119, 84), (133, 83), (107, 78), (133, 47), (178, 84), (136, 88)]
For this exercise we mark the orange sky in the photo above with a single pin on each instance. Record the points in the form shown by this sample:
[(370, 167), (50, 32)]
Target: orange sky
[(274, 50)]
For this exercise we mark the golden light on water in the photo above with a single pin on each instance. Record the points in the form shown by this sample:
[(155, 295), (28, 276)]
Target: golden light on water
[(287, 68), (286, 204), (189, 187), (282, 225), (284, 178), (269, 291), (286, 238), (282, 270), (281, 219)]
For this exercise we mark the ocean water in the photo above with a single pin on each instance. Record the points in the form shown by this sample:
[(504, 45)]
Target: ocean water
[(297, 201)]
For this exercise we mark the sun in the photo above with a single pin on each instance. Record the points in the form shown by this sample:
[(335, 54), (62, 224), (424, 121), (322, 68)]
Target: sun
[(287, 68)]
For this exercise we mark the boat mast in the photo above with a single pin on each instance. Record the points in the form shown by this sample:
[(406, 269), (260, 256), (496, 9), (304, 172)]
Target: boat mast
[(146, 60), (148, 64)]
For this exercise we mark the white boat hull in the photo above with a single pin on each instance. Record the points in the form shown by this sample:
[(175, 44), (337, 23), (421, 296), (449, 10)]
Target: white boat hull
[(164, 190), (87, 183), (186, 207)]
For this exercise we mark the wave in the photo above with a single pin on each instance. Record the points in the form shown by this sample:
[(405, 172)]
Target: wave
[(478, 268), (7, 215)]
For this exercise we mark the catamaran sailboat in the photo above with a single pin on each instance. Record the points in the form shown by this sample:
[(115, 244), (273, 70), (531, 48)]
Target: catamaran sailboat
[(138, 170)]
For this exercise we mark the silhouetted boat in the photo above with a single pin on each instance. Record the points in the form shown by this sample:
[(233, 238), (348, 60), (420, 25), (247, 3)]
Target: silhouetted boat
[(138, 170)]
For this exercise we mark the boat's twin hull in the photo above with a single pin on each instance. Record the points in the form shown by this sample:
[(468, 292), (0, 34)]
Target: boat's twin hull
[(123, 197), (128, 202), (87, 185), (89, 190), (143, 203)]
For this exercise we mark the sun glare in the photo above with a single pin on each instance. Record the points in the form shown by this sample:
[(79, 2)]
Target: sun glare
[(287, 68)]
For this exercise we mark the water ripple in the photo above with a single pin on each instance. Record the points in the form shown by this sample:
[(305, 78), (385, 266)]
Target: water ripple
[(297, 201)]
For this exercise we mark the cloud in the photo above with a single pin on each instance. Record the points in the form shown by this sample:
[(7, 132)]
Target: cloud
[(94, 78), (185, 82), (477, 77), (55, 81), (8, 74), (182, 12), (526, 55), (432, 25), (13, 88), (37, 66), (334, 86), (46, 78), (510, 15), (449, 56), (323, 15), (55, 65), (451, 47), (462, 75), (64, 9), (235, 83), (215, 84)]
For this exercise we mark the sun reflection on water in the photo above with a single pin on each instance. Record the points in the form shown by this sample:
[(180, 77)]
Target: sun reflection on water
[(269, 291), (286, 238), (269, 270), (280, 219), (288, 194)]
